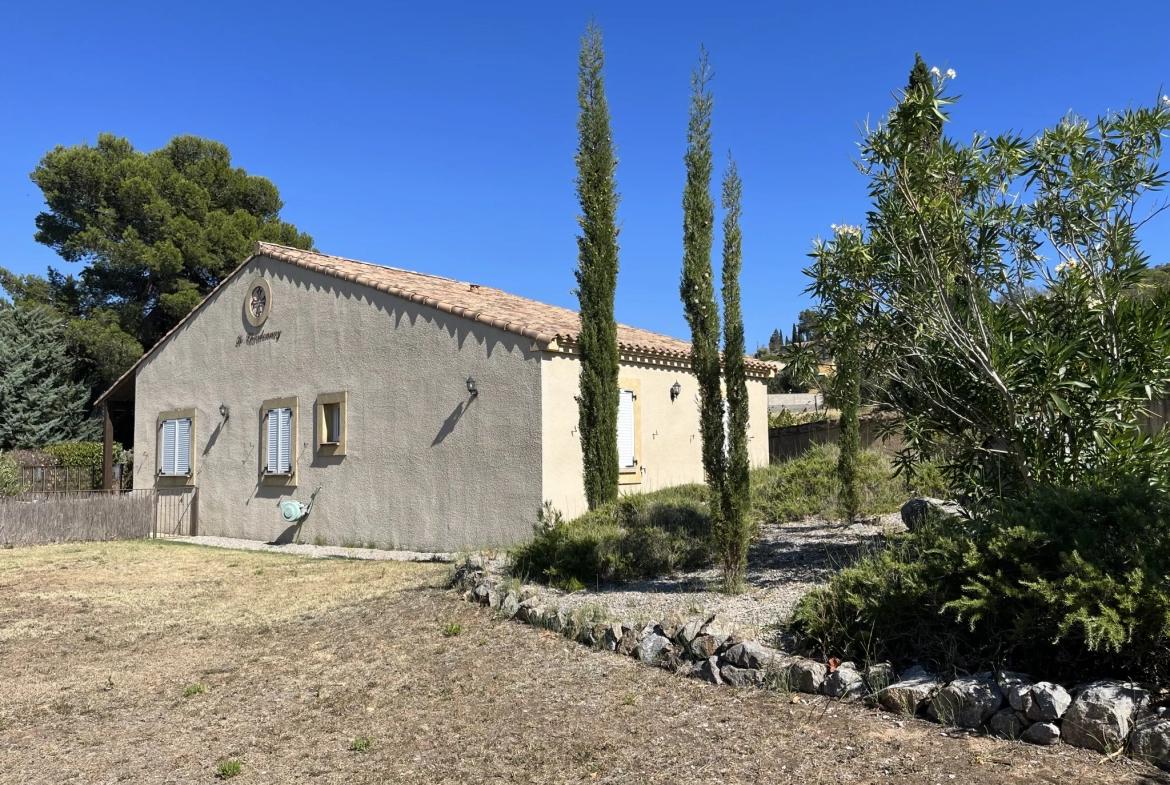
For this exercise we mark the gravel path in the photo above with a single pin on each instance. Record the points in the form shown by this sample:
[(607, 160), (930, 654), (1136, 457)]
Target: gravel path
[(785, 562), (315, 551)]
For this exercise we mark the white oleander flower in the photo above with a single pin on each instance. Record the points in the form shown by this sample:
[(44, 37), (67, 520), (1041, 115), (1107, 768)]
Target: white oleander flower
[(950, 73), (1066, 265), (1166, 100), (935, 71)]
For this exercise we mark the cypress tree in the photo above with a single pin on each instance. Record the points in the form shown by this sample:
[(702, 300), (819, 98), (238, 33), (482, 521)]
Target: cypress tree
[(697, 288), (736, 527), (597, 268), (40, 403)]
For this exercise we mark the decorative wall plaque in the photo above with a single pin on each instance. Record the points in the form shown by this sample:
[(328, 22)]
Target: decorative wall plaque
[(258, 302)]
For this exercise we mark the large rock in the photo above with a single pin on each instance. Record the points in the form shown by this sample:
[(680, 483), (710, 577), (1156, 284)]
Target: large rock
[(1151, 741), (915, 511), (1007, 724), (1019, 697), (846, 682), (742, 677), (719, 627), (653, 648), (909, 694), (628, 643), (1048, 702), (1101, 716), (708, 670), (749, 654), (968, 702), (509, 605), (704, 646), (807, 675), (1041, 733), (688, 632)]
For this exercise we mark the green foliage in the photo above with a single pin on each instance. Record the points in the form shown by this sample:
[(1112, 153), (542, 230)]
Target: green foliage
[(597, 254), (84, 454), (1029, 373), (194, 689), (10, 484), (156, 232), (361, 744), (638, 536), (39, 400), (653, 534), (228, 769), (735, 527), (697, 288), (452, 629), (1064, 583), (785, 418)]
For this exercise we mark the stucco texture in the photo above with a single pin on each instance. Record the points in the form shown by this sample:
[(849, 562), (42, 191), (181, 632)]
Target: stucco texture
[(667, 434), (427, 466)]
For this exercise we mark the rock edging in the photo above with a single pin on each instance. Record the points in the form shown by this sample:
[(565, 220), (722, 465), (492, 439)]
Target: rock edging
[(1105, 716)]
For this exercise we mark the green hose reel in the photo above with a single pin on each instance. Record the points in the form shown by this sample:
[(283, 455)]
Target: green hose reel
[(294, 511)]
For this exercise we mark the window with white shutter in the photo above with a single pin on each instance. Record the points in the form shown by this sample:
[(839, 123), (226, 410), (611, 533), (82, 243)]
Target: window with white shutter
[(176, 431), (625, 430), (278, 442)]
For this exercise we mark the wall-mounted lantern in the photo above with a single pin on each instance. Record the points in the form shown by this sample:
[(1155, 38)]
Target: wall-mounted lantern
[(223, 411), (471, 390), (675, 391)]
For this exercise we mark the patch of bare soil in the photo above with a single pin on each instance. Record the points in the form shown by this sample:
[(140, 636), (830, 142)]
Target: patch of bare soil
[(300, 657)]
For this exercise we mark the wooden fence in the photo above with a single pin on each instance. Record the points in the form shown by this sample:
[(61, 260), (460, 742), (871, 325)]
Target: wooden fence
[(791, 441), (88, 516)]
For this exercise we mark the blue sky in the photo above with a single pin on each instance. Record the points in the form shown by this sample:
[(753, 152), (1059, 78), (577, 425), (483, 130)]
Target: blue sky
[(439, 137)]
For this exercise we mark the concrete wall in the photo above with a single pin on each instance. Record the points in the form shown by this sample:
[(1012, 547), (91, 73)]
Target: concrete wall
[(671, 448), (427, 468), (795, 402)]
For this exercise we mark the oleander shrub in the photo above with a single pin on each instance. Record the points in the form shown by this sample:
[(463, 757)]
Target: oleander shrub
[(1064, 583)]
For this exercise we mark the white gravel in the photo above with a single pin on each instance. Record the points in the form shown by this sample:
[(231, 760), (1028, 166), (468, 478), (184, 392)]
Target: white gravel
[(785, 562), (315, 551)]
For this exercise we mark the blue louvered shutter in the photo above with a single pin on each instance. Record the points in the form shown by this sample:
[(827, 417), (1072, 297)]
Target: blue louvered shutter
[(182, 446), (167, 447), (625, 428), (284, 460), (273, 441)]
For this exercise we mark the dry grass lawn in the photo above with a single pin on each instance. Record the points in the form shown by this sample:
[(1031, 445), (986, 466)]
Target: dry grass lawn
[(297, 658)]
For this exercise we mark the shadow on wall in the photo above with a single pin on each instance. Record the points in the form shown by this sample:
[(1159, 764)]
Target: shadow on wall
[(451, 421)]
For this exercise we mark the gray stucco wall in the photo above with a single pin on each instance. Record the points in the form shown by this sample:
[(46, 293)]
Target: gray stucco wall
[(427, 467)]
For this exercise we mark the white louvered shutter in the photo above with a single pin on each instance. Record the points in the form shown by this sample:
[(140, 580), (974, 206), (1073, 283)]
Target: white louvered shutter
[(167, 448), (625, 428), (273, 440), (182, 446), (283, 459)]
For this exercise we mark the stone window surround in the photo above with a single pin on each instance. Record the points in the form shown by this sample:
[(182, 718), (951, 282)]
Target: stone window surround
[(280, 480)]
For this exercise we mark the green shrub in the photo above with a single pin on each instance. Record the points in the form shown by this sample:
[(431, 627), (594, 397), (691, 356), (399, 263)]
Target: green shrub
[(1066, 583), (361, 744), (228, 769), (652, 534), (9, 476), (638, 536), (83, 454)]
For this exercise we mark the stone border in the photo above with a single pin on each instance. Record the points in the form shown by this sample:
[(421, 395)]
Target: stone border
[(1106, 716)]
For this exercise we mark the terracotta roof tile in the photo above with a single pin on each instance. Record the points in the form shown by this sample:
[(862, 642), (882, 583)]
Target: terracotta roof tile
[(530, 318), (536, 320)]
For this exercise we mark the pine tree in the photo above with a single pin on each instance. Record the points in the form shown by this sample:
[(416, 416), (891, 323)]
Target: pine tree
[(697, 288), (735, 535), (40, 403), (776, 342), (597, 255)]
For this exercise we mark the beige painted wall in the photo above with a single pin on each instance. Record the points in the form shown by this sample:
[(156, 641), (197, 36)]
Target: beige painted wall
[(670, 442), (425, 469)]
